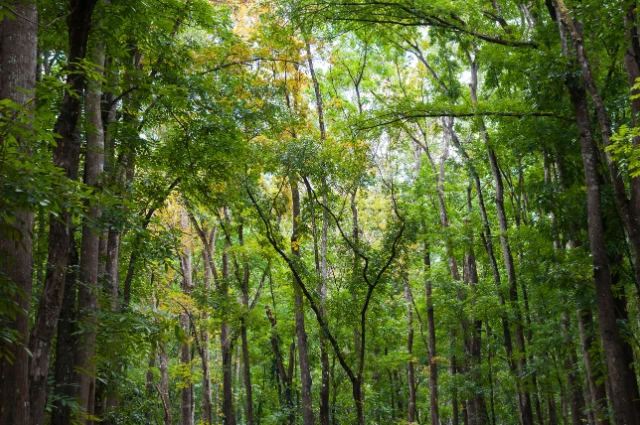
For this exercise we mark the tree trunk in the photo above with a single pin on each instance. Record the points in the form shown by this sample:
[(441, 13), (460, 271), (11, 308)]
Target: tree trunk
[(411, 382), (524, 399), (89, 252), (476, 410), (595, 379), (228, 414), (207, 408), (611, 340), (66, 341), (243, 333), (66, 156), (575, 390), (186, 408), (301, 333), (18, 52), (431, 332), (629, 214), (163, 365), (286, 399), (322, 289)]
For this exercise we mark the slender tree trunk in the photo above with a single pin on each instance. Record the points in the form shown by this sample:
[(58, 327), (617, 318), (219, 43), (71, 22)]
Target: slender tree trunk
[(163, 389), (575, 390), (18, 52), (324, 357), (66, 341), (207, 408), (243, 332), (186, 408), (594, 375), (324, 346), (411, 381), (226, 345), (431, 332), (301, 334), (524, 397), (286, 397)]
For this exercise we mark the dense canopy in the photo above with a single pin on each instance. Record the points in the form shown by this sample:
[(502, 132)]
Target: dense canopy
[(319, 212)]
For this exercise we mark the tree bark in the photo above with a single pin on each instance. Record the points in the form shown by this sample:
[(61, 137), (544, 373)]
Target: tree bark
[(322, 287), (411, 381), (598, 394), (228, 414), (609, 333), (286, 399), (88, 288), (243, 332), (431, 332), (186, 409), (573, 383), (18, 52), (66, 342), (66, 156), (207, 407), (301, 333)]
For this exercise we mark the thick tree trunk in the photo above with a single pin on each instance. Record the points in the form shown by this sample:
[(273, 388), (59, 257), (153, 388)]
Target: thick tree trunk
[(18, 52), (301, 333), (611, 340), (66, 156), (65, 344), (629, 214), (88, 288)]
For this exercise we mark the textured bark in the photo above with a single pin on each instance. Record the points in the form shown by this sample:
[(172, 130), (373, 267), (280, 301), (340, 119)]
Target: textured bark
[(597, 391), (321, 263), (228, 414), (573, 383), (476, 408), (186, 406), (163, 389), (612, 343), (411, 381), (207, 407), (88, 288), (301, 333), (66, 156), (243, 332), (65, 344), (524, 397), (629, 213), (632, 65), (18, 51), (431, 332), (286, 400)]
